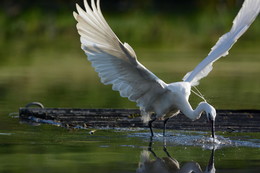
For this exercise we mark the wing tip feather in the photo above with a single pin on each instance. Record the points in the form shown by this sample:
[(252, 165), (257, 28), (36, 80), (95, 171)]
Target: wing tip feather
[(75, 15)]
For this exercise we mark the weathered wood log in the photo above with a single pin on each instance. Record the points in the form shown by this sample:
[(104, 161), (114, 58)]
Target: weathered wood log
[(226, 120)]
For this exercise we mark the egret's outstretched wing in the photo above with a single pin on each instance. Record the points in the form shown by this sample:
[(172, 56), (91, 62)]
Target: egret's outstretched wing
[(241, 23), (115, 62)]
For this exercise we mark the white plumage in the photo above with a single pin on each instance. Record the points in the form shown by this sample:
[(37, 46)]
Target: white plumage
[(116, 64), (241, 23)]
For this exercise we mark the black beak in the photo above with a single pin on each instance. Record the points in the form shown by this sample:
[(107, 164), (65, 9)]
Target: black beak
[(212, 128)]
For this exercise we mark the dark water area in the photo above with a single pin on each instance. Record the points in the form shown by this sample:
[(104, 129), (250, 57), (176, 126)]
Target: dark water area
[(47, 148)]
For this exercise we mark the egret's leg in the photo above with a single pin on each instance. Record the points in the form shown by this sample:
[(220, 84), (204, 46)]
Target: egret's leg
[(164, 125), (165, 148), (150, 147), (150, 143), (213, 129), (150, 125), (166, 151)]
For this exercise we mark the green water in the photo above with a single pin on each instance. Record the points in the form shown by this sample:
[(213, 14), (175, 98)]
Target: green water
[(73, 83), (52, 149)]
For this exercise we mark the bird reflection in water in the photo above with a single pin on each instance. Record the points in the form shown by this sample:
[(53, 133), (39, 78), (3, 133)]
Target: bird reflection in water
[(168, 164)]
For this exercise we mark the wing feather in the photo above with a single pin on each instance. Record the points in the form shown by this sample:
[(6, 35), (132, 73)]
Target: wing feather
[(115, 62), (241, 23)]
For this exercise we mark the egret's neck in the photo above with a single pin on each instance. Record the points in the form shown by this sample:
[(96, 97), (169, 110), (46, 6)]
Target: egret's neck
[(194, 114)]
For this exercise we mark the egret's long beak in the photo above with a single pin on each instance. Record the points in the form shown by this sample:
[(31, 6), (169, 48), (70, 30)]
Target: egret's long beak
[(213, 128)]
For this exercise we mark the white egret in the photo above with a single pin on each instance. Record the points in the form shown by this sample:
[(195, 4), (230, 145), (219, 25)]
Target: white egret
[(116, 64)]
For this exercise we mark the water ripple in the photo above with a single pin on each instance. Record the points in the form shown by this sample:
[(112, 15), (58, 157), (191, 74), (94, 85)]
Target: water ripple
[(198, 139), (6, 134)]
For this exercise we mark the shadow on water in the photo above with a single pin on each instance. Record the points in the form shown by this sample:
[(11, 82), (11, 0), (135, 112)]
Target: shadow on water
[(168, 164)]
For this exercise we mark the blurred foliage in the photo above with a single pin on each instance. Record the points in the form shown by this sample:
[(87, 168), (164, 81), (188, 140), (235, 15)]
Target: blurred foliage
[(27, 26), (40, 56), (14, 7)]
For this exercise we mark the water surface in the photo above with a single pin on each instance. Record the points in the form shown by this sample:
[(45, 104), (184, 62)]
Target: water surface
[(48, 148), (27, 148)]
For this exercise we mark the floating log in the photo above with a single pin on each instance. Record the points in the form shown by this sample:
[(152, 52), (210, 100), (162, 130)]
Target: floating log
[(226, 120)]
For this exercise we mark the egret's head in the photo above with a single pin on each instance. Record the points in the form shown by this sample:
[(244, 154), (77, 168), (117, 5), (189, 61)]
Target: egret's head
[(208, 109), (210, 112)]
